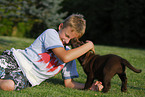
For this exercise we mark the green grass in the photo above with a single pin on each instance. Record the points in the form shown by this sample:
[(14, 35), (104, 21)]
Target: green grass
[(54, 87)]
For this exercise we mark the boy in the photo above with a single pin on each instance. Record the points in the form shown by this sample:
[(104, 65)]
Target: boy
[(45, 58)]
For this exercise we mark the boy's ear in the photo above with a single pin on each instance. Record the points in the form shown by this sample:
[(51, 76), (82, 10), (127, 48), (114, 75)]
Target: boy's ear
[(60, 26)]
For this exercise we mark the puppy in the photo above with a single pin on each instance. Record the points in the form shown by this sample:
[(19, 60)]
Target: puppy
[(103, 68)]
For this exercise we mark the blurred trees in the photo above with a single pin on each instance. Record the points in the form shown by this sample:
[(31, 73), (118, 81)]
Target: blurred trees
[(112, 22), (43, 13)]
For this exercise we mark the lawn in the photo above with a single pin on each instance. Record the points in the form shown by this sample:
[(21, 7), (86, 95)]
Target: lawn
[(54, 87)]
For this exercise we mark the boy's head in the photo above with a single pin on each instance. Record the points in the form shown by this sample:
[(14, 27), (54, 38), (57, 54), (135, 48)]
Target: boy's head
[(73, 27), (76, 22)]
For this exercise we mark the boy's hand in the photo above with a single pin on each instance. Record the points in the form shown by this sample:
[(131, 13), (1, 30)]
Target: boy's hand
[(97, 86), (93, 49)]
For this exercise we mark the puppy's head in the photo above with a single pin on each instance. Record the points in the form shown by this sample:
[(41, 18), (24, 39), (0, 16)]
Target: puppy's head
[(75, 43)]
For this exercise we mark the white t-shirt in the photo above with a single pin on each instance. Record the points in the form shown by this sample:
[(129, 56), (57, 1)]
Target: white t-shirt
[(39, 63)]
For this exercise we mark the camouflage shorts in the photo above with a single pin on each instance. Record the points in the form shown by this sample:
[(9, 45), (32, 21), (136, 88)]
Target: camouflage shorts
[(9, 69)]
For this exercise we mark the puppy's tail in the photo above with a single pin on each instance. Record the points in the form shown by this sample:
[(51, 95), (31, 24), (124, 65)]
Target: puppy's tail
[(126, 63)]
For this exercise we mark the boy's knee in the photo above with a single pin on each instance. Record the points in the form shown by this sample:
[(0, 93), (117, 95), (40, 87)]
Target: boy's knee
[(7, 85)]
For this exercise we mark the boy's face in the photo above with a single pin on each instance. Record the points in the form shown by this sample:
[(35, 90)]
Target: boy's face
[(66, 34)]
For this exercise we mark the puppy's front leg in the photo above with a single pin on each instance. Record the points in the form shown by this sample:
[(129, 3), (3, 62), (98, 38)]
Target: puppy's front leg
[(89, 82)]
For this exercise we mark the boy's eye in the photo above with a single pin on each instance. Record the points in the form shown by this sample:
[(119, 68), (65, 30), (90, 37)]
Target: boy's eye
[(67, 35)]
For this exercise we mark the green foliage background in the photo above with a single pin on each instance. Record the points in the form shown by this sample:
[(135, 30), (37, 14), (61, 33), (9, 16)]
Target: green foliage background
[(109, 22), (28, 18)]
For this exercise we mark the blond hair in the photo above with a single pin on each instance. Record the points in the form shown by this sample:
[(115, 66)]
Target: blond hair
[(76, 22)]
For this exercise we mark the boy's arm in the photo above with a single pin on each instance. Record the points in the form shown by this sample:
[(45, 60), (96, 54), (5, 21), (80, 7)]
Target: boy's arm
[(69, 55)]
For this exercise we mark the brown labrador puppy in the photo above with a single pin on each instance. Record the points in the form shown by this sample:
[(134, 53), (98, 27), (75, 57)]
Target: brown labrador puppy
[(103, 68)]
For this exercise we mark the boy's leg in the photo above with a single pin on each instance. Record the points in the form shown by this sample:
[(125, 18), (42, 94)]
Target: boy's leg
[(11, 76), (7, 85)]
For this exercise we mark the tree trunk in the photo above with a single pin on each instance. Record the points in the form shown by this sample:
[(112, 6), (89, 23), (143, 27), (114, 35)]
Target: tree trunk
[(14, 31)]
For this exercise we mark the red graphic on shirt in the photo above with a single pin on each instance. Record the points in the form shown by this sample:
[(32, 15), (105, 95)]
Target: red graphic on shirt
[(53, 62), (45, 57)]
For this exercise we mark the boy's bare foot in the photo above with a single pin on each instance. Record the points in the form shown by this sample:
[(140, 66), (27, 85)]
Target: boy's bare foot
[(97, 86)]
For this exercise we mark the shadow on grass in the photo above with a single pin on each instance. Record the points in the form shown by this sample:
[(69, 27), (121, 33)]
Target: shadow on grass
[(60, 81), (137, 88), (131, 87), (55, 81), (6, 42)]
